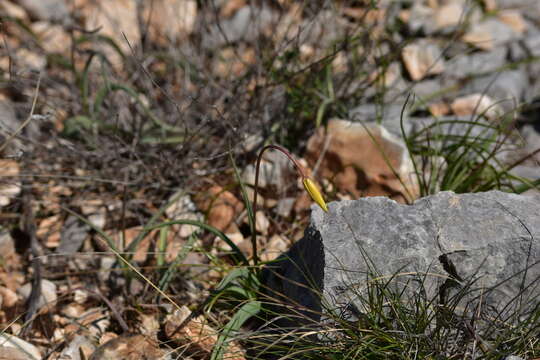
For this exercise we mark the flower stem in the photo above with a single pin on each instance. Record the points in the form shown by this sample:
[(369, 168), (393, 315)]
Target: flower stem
[(300, 170)]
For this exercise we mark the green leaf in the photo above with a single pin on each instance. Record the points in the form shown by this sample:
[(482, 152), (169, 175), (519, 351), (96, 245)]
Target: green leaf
[(237, 254), (75, 124), (235, 274), (243, 314)]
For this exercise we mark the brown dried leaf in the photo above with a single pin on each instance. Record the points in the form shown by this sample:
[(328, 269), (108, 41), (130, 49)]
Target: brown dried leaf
[(49, 230), (128, 347)]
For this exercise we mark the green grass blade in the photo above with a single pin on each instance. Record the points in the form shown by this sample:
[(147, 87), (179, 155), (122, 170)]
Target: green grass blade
[(245, 198), (243, 314), (237, 254)]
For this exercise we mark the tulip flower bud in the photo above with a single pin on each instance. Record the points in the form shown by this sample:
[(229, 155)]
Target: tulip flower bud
[(314, 192)]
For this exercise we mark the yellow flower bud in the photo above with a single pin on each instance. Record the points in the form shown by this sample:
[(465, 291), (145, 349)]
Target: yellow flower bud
[(315, 194)]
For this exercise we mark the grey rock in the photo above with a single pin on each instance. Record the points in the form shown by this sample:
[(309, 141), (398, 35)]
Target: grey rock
[(527, 46), (422, 58), (510, 4), (72, 236), (12, 115), (8, 117), (463, 66), (388, 115), (454, 49), (48, 295), (320, 30), (12, 353), (251, 21), (533, 90), (395, 85), (426, 88), (498, 33), (374, 112), (448, 125), (55, 10), (420, 17), (517, 51), (441, 87), (485, 244), (106, 263), (425, 19), (437, 89), (449, 128), (73, 349), (285, 206), (507, 87), (532, 45), (531, 139), (529, 8), (7, 244), (275, 170), (531, 173), (31, 352), (390, 118), (246, 24), (8, 124)]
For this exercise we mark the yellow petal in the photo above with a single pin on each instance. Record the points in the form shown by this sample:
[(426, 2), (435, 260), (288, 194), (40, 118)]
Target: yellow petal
[(315, 194)]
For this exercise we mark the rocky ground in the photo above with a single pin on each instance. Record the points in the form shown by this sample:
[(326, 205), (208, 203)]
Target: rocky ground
[(119, 115)]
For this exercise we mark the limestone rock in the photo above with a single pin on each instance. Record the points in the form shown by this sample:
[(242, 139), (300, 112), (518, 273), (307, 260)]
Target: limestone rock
[(483, 62), (276, 171), (529, 8), (114, 19), (439, 109), (222, 207), (12, 341), (423, 58), (484, 244), (262, 222), (450, 14), (80, 343), (8, 297), (182, 208), (246, 23), (7, 245), (285, 206), (50, 10), (53, 38), (170, 21), (130, 347), (489, 33), (13, 10), (532, 44), (12, 353), (10, 185), (72, 236), (444, 16), (48, 293), (388, 115), (476, 104), (8, 124), (507, 88), (362, 159), (514, 19), (418, 17), (490, 5)]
